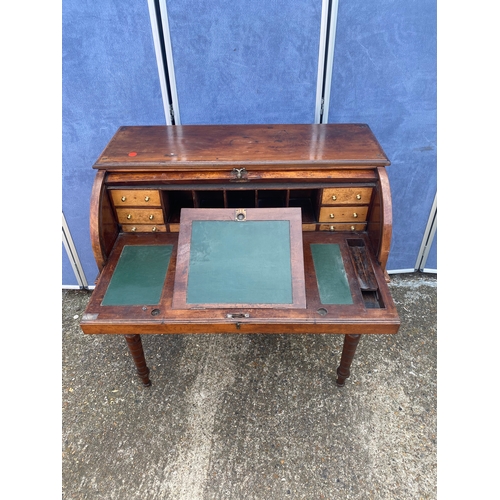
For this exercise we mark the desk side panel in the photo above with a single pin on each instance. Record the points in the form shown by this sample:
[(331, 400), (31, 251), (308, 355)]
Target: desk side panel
[(386, 223), (380, 219), (103, 226)]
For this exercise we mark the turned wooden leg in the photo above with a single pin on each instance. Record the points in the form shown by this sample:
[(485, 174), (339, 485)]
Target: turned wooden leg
[(135, 346), (343, 371)]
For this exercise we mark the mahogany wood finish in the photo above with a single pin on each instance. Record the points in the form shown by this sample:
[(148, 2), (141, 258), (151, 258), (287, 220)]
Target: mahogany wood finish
[(281, 175), (215, 147), (134, 343), (343, 371), (320, 168), (385, 218), (98, 226)]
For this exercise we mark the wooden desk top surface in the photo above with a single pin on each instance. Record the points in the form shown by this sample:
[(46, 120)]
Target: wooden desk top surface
[(217, 146)]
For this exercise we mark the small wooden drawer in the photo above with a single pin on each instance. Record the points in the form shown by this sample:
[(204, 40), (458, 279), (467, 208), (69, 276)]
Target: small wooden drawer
[(144, 228), (139, 216), (135, 197), (335, 228), (342, 196), (174, 228), (343, 214)]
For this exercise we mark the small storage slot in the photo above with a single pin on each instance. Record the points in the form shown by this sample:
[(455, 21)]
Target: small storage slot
[(240, 198), (372, 300), (176, 201), (365, 273), (209, 199), (305, 199), (362, 265), (271, 198)]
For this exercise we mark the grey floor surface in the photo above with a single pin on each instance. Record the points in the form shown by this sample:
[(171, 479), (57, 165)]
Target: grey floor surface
[(253, 416)]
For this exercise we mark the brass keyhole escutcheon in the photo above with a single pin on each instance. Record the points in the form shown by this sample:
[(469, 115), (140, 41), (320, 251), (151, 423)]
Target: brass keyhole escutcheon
[(239, 173), (240, 215)]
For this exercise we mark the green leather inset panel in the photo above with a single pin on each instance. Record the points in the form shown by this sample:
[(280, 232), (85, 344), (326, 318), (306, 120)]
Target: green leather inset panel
[(330, 274), (139, 275), (240, 263)]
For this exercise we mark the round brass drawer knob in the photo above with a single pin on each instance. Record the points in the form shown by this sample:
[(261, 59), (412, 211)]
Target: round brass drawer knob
[(153, 229), (355, 215), (123, 198), (352, 228), (332, 228), (334, 197), (146, 198), (151, 217), (129, 216), (134, 229), (332, 216), (358, 197)]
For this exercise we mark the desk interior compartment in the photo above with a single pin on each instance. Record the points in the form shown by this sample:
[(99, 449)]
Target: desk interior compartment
[(174, 201), (271, 198), (364, 272), (240, 198), (208, 199), (307, 200)]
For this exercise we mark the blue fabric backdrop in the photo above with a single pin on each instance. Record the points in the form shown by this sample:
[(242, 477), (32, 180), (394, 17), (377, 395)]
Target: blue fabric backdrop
[(385, 75), (110, 78), (253, 62), (247, 61), (431, 262)]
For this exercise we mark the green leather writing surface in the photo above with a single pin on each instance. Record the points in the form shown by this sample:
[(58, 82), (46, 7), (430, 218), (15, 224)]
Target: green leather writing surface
[(240, 263), (330, 274), (139, 275)]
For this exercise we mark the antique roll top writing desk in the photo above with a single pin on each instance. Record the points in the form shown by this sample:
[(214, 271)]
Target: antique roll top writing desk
[(241, 229)]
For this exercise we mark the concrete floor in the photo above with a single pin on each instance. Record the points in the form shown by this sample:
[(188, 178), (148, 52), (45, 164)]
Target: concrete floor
[(253, 416)]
